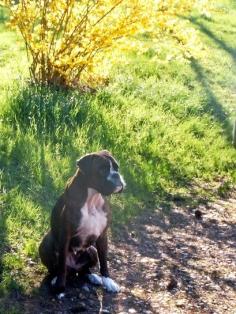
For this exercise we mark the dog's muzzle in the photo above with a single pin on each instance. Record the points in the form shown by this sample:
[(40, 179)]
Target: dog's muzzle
[(117, 180)]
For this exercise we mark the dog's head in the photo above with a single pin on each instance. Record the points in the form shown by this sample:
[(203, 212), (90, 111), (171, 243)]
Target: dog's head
[(101, 171)]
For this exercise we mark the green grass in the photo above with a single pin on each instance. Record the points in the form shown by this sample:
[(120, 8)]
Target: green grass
[(167, 122)]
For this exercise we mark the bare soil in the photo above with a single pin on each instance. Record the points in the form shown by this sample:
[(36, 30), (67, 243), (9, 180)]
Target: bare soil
[(177, 261)]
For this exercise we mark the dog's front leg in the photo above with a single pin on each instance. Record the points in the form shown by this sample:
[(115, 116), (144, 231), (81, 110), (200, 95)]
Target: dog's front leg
[(102, 249), (59, 282)]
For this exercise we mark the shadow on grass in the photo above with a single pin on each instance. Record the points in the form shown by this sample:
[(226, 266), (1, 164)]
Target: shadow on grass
[(54, 119), (220, 42), (212, 106)]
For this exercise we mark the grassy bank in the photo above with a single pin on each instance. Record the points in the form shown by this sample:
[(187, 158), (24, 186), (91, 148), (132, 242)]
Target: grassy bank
[(167, 121)]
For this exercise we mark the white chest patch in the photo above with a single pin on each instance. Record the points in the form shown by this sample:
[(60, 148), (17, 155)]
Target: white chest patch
[(94, 219)]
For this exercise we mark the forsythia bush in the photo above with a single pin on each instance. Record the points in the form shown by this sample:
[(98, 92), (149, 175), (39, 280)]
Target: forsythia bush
[(67, 40)]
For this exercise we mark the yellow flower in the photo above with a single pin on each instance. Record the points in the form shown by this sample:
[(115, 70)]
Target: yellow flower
[(72, 42)]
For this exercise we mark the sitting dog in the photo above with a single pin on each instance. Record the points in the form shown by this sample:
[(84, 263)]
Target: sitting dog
[(79, 221)]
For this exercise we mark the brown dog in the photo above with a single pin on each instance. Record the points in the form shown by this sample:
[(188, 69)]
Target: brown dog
[(79, 222)]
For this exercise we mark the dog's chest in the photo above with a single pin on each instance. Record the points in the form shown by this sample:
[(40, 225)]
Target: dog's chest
[(92, 224)]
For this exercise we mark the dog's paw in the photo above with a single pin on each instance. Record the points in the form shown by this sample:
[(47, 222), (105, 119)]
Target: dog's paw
[(57, 288), (110, 285), (95, 279)]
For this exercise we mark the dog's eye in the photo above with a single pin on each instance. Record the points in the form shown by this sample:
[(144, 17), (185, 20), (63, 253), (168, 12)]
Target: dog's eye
[(115, 166), (104, 171)]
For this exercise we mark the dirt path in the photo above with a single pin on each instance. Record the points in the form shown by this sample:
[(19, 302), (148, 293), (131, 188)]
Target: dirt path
[(184, 262)]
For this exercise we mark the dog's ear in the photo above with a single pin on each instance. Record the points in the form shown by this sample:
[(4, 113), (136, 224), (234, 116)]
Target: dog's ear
[(107, 154), (85, 163)]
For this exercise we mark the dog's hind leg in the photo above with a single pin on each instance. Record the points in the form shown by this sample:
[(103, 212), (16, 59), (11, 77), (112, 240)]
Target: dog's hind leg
[(48, 254), (87, 260), (91, 258)]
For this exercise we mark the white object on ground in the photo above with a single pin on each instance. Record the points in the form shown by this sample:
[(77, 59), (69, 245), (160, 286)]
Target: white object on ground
[(110, 285)]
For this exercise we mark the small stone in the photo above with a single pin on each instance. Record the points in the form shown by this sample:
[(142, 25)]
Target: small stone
[(132, 234), (180, 303), (173, 284), (214, 275), (31, 262), (60, 296), (198, 214), (132, 311)]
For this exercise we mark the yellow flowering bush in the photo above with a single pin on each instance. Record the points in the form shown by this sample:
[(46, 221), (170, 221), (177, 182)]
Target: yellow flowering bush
[(67, 41)]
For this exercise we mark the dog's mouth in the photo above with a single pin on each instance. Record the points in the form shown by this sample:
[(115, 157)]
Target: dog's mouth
[(113, 190), (119, 189)]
